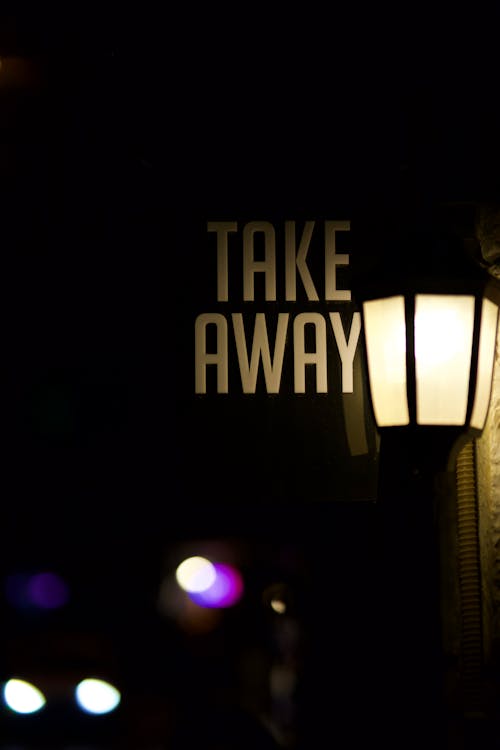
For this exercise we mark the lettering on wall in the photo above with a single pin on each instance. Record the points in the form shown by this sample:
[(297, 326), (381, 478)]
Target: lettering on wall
[(273, 266)]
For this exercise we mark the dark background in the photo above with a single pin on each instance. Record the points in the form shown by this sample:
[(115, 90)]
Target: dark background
[(122, 132)]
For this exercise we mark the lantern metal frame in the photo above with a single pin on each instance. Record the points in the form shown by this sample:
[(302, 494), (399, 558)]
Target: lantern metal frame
[(435, 446)]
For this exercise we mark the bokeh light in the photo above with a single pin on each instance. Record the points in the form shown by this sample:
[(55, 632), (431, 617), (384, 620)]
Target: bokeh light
[(48, 590), (42, 590), (278, 605), (96, 696), (22, 697), (278, 597), (195, 574), (225, 591)]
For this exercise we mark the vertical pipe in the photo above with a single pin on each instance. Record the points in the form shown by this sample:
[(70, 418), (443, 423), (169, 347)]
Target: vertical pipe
[(469, 575)]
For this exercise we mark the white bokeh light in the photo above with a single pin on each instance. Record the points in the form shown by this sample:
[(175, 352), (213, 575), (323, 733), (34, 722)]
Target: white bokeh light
[(97, 696), (195, 574), (22, 697)]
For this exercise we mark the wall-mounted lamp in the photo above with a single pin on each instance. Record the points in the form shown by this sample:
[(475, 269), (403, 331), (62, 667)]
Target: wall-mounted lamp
[(430, 317), (430, 347)]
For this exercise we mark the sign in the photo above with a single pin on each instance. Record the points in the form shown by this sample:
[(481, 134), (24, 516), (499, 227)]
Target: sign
[(273, 404)]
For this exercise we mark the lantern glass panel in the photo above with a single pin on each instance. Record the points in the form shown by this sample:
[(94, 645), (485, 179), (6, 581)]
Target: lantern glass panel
[(487, 341), (385, 336), (444, 326)]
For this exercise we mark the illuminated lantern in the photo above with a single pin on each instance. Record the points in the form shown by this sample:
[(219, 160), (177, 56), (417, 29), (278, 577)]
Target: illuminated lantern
[(430, 349)]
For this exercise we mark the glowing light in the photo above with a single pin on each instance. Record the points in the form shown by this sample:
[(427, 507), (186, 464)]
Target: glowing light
[(22, 697), (278, 605), (97, 696), (278, 597), (225, 591), (48, 590), (386, 352), (195, 574), (486, 361), (42, 590), (444, 327)]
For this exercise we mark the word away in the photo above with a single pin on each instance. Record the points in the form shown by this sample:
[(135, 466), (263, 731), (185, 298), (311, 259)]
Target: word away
[(273, 365)]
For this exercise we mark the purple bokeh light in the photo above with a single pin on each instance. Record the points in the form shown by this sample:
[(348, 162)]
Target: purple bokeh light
[(226, 590), (48, 590), (44, 590)]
